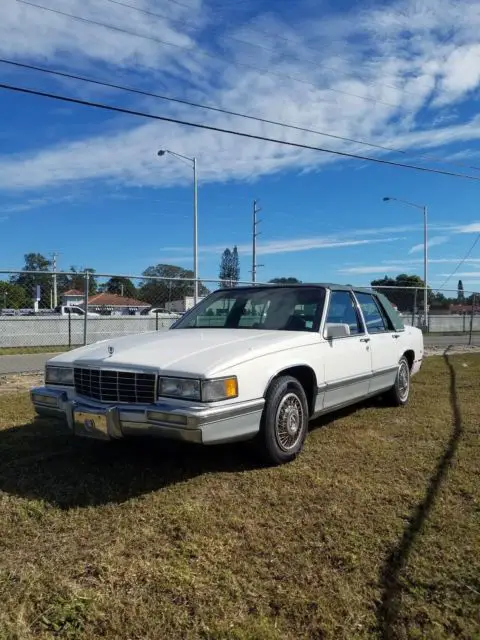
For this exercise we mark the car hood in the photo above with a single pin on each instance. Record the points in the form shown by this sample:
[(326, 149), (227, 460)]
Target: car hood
[(202, 352)]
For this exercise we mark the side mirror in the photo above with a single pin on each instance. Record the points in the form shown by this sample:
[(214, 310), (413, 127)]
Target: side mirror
[(334, 330)]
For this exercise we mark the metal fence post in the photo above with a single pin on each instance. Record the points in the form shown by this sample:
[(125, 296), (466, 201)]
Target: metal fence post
[(86, 284), (69, 330), (474, 300), (156, 320), (414, 312)]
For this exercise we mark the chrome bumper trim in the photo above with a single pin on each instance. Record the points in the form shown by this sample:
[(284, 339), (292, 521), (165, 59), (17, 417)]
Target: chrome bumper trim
[(196, 423)]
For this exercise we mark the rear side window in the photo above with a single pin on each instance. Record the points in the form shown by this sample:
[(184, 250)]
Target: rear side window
[(376, 319)]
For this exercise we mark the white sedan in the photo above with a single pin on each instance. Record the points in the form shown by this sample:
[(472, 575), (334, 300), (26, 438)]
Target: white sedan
[(245, 363)]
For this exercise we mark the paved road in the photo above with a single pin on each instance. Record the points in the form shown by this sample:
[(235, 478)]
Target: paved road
[(24, 363), (36, 362), (446, 341)]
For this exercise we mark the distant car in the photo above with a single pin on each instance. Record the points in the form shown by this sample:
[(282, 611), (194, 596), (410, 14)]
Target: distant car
[(161, 313), (278, 357), (74, 310)]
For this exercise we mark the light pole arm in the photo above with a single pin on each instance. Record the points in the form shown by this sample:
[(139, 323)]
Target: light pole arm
[(410, 204), (179, 155)]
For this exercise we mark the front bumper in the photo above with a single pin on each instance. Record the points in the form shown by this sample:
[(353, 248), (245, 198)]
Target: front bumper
[(198, 423)]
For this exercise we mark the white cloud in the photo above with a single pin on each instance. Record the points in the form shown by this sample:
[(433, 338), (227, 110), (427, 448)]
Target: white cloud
[(430, 261), (32, 32), (373, 269), (404, 75), (35, 203), (292, 245), (463, 274), (469, 228), (399, 266), (308, 244), (433, 242)]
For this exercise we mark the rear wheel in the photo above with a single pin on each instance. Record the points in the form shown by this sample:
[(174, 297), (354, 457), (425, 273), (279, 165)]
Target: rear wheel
[(400, 392), (284, 421)]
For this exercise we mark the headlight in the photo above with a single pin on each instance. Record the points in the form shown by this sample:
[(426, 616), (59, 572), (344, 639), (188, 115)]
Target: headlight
[(186, 388), (58, 375), (202, 390)]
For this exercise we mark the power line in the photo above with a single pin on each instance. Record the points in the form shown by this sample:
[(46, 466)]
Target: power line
[(142, 92), (240, 134), (204, 53), (191, 25), (475, 242)]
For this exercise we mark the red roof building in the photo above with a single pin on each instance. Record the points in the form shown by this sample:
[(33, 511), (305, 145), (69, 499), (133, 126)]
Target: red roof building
[(73, 292)]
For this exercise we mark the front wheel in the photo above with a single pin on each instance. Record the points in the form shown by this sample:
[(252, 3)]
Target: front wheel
[(284, 421), (400, 392)]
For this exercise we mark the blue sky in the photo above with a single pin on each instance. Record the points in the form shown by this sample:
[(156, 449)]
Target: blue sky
[(88, 183)]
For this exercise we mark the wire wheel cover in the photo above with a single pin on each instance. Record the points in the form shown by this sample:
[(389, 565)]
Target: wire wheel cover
[(289, 422)]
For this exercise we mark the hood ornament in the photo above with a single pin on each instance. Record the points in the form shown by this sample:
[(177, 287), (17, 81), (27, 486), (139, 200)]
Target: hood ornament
[(110, 351)]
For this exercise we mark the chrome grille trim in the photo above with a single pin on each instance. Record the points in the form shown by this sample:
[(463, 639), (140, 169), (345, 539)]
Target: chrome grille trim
[(109, 385)]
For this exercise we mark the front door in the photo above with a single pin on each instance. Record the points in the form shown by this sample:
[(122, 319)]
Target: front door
[(347, 361), (384, 342)]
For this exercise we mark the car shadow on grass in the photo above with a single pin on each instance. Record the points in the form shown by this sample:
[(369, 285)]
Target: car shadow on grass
[(388, 609), (39, 460)]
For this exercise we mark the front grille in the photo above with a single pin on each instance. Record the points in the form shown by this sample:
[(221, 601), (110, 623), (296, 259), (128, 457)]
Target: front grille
[(115, 386)]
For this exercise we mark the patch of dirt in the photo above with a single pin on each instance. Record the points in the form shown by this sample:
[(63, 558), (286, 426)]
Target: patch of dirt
[(16, 382)]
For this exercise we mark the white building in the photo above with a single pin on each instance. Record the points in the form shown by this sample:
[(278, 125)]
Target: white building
[(180, 306), (72, 297)]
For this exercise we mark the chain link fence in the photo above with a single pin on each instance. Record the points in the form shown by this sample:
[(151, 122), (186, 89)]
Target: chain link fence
[(66, 309)]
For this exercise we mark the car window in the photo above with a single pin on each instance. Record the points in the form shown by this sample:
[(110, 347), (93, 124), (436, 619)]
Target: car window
[(342, 310), (375, 317), (267, 308)]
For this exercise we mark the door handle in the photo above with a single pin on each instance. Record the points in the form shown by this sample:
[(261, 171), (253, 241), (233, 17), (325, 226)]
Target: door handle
[(364, 339), (395, 335)]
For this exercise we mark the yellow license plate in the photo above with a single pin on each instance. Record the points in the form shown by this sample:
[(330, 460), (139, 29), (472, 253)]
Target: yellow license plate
[(91, 425)]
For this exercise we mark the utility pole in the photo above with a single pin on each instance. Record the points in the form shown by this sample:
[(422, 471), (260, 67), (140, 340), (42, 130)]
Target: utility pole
[(255, 234)]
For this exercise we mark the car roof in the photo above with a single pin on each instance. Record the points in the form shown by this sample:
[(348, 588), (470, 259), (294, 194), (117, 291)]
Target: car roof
[(301, 285)]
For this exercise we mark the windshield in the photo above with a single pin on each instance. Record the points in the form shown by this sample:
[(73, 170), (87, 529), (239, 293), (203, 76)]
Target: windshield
[(266, 308)]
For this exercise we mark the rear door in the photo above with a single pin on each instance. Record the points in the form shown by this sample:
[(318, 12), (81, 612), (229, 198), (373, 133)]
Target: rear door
[(347, 360), (384, 341)]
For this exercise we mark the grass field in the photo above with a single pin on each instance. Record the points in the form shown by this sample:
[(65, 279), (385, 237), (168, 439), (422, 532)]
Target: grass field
[(374, 532), (12, 351)]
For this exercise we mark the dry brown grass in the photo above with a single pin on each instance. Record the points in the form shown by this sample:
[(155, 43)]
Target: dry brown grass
[(373, 532)]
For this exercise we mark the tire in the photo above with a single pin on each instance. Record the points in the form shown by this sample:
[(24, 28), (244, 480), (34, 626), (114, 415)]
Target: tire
[(284, 423), (400, 392)]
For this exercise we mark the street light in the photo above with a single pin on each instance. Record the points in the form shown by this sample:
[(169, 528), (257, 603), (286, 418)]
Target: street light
[(193, 162), (422, 208)]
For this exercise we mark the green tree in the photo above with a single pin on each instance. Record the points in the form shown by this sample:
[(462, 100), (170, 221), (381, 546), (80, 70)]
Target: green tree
[(13, 296), (400, 292), (166, 283), (121, 286), (76, 280), (235, 269), (229, 273), (285, 281), (29, 281)]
